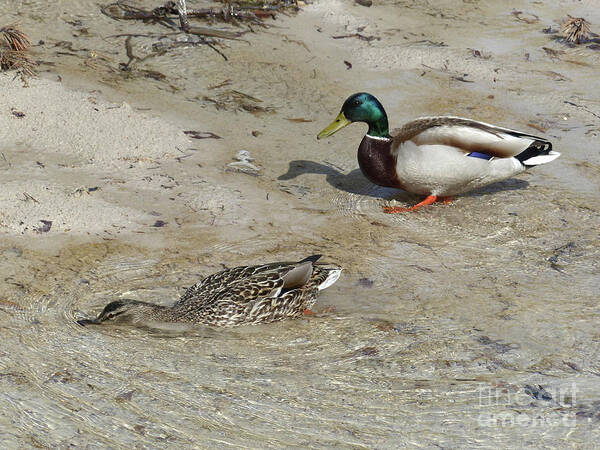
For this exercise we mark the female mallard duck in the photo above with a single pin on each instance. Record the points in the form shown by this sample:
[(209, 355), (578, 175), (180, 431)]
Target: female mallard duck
[(437, 156), (239, 296)]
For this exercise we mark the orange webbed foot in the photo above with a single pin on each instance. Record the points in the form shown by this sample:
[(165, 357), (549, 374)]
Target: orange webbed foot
[(395, 209), (428, 201)]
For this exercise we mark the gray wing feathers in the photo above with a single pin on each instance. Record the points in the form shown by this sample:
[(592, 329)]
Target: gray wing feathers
[(465, 135)]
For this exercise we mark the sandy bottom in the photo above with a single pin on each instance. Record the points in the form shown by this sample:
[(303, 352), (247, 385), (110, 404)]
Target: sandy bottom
[(472, 324)]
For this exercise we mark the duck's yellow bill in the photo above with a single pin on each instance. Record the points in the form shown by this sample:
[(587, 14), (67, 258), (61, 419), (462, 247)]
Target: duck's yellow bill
[(339, 123)]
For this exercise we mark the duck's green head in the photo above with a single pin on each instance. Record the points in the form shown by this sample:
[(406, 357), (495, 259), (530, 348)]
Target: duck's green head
[(361, 107)]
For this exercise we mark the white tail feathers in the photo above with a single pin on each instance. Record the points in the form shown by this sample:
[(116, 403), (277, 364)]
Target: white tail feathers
[(332, 277), (541, 159)]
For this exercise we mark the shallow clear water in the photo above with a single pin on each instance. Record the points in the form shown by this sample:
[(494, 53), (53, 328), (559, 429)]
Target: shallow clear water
[(452, 327)]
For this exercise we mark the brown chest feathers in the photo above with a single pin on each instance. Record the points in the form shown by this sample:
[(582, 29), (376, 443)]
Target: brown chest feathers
[(377, 162)]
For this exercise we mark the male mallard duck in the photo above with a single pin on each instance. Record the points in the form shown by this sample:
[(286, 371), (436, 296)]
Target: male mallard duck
[(437, 156), (239, 296)]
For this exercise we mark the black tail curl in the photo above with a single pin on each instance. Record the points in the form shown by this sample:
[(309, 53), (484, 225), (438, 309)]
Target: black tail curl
[(536, 148)]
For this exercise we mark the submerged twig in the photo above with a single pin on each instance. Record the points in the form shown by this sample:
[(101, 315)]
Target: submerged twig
[(29, 197), (362, 37), (233, 100), (249, 11), (582, 107), (134, 59), (200, 40), (202, 135), (228, 13), (123, 11), (525, 17)]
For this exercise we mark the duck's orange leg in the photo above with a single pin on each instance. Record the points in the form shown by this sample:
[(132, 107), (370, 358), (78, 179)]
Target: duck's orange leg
[(428, 201)]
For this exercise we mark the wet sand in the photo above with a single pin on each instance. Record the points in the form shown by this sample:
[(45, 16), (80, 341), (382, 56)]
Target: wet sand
[(452, 327)]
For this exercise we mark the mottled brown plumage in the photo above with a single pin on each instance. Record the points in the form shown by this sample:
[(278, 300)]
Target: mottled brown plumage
[(237, 296)]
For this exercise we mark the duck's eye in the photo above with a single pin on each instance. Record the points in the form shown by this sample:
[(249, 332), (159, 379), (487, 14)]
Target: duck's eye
[(356, 103)]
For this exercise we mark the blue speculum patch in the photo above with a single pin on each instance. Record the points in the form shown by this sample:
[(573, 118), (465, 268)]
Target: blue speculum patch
[(480, 155)]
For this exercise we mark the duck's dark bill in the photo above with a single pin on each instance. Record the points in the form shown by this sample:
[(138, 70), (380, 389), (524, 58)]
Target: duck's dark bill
[(339, 123), (85, 322)]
